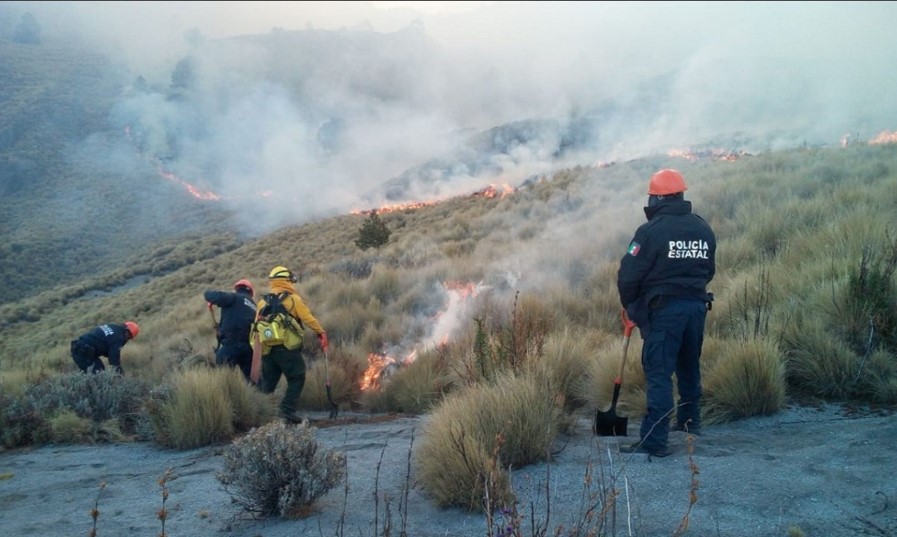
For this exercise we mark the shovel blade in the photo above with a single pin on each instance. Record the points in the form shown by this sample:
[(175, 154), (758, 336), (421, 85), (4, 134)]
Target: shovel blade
[(609, 424)]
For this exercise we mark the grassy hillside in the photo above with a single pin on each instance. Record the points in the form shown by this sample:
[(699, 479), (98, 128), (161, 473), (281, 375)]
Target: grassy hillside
[(805, 278), (65, 212)]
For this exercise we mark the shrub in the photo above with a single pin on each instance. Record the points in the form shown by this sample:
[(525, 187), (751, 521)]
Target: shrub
[(278, 469), (472, 437), (98, 398)]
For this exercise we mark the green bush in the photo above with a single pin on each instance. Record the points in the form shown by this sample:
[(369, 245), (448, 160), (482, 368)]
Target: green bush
[(98, 398), (278, 469)]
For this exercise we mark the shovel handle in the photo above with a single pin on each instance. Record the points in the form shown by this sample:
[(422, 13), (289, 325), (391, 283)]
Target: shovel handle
[(628, 325)]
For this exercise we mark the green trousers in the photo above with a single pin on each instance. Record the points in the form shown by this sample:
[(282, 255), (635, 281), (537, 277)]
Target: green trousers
[(289, 363)]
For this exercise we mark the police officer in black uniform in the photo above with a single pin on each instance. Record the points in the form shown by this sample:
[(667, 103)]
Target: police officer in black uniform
[(662, 282), (104, 340), (237, 315)]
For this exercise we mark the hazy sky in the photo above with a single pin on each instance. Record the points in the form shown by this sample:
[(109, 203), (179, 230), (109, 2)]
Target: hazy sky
[(775, 72)]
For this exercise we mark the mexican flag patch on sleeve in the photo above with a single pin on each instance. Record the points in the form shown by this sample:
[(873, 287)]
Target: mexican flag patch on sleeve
[(634, 248)]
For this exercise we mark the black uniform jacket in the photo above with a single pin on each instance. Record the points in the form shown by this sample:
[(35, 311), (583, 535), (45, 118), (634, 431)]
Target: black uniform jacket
[(107, 340), (237, 315), (672, 254)]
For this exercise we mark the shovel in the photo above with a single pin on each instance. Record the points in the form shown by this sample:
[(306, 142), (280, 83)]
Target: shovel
[(608, 423), (334, 408)]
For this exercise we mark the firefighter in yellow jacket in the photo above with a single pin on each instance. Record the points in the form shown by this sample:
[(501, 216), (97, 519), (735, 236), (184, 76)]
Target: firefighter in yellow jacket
[(284, 358)]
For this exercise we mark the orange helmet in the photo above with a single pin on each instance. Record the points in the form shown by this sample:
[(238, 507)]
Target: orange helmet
[(246, 284), (132, 328), (666, 182)]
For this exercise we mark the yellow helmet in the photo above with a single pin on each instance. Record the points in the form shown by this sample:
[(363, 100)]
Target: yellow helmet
[(281, 272)]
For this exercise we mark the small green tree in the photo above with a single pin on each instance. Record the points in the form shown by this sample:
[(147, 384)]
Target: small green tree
[(373, 233)]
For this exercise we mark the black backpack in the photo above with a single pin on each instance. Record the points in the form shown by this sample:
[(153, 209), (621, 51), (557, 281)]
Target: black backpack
[(275, 325)]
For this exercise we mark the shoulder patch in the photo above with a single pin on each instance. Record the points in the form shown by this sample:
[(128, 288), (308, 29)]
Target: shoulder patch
[(634, 248)]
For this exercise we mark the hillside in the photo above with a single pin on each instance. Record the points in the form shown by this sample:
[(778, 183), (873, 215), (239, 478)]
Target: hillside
[(75, 199), (125, 196), (552, 244)]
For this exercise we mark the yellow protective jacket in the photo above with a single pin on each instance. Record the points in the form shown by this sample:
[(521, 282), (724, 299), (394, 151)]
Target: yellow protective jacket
[(293, 303)]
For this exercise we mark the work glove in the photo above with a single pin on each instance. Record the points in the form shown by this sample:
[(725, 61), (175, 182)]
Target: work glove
[(322, 339)]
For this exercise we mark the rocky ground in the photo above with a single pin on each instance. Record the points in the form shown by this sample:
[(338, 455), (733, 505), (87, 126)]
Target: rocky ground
[(822, 471)]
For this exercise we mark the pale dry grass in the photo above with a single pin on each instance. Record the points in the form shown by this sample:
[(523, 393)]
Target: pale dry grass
[(742, 379), (346, 365), (568, 359), (597, 384), (415, 388), (818, 361), (479, 431), (207, 406)]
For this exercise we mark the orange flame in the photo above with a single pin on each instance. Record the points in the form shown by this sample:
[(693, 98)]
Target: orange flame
[(884, 137), (714, 154), (395, 207), (194, 191), (381, 365), (490, 191)]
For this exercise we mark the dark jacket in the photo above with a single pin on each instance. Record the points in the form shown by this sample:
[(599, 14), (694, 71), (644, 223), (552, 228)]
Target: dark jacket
[(237, 314), (672, 254), (107, 340)]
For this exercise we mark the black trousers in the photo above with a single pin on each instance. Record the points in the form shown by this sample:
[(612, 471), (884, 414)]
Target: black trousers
[(235, 355), (86, 358)]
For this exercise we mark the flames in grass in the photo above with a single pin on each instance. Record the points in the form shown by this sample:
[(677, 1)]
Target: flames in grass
[(382, 365), (884, 137), (491, 191)]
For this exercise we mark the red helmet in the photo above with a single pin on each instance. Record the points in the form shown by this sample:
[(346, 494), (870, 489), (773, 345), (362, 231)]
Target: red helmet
[(666, 182), (132, 328), (246, 284)]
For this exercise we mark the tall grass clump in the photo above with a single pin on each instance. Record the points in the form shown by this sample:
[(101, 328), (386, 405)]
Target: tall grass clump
[(742, 379), (870, 299), (475, 435), (819, 363), (205, 406), (278, 469), (569, 355)]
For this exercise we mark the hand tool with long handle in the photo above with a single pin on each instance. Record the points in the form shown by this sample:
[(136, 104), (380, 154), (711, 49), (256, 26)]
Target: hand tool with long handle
[(334, 408), (609, 423)]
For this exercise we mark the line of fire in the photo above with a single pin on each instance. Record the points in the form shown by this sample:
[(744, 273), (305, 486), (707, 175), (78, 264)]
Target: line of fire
[(380, 364)]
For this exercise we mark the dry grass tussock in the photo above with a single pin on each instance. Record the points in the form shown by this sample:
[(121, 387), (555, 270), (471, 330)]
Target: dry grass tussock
[(206, 406), (477, 432)]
